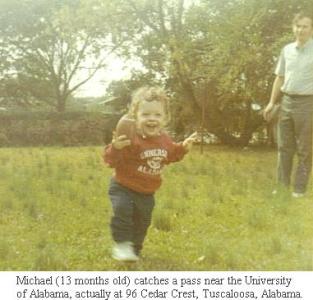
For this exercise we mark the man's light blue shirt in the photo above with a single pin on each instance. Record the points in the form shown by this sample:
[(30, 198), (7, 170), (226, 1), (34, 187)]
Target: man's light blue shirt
[(296, 65)]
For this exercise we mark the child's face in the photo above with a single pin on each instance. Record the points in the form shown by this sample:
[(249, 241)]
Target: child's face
[(150, 118)]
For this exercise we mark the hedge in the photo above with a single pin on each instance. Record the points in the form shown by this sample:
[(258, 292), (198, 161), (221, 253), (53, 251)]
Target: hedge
[(49, 129)]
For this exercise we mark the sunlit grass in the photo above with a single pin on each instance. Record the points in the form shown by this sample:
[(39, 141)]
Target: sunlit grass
[(214, 211)]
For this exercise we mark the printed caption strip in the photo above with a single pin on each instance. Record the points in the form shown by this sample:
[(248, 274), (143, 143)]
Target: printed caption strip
[(156, 285)]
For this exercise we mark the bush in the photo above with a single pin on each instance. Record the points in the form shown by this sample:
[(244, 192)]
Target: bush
[(49, 129), (3, 139)]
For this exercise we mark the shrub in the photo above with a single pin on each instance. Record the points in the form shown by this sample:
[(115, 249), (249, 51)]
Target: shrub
[(62, 129)]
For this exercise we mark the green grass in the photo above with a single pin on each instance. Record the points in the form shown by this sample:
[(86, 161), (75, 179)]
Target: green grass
[(214, 211)]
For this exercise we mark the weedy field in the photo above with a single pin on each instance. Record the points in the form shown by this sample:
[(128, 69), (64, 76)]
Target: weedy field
[(214, 211)]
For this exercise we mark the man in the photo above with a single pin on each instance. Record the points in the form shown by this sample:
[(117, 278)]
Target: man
[(294, 80)]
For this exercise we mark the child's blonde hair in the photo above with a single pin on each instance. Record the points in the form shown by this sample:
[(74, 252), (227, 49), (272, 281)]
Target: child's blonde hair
[(147, 93)]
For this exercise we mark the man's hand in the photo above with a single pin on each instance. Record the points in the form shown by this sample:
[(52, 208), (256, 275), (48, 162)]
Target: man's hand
[(188, 142), (267, 111), (120, 142)]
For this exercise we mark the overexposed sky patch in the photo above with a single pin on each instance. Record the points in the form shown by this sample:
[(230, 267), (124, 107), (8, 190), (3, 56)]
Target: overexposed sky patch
[(116, 69)]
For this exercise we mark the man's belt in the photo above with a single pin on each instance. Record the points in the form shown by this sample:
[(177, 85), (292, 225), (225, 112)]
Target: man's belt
[(297, 95)]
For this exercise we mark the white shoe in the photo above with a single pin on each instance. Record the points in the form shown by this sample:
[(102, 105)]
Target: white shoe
[(297, 195), (124, 252)]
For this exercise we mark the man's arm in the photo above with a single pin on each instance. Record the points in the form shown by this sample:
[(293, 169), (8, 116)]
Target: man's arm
[(276, 90)]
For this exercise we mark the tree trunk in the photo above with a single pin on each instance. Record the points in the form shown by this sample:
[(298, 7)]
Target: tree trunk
[(61, 104)]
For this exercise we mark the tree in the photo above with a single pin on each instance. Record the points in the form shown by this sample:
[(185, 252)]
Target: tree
[(50, 43), (158, 35), (213, 55), (247, 38)]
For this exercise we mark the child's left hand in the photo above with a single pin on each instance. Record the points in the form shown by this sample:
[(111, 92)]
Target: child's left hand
[(188, 142)]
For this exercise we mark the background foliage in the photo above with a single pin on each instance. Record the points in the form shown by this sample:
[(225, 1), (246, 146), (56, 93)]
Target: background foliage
[(48, 128), (216, 58)]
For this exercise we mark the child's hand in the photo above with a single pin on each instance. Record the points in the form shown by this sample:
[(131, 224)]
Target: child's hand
[(120, 142), (188, 142)]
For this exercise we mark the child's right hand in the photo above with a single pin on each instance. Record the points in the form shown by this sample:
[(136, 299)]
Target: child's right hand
[(120, 142)]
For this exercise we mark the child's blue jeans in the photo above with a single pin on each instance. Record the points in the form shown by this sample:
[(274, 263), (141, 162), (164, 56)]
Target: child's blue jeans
[(132, 213)]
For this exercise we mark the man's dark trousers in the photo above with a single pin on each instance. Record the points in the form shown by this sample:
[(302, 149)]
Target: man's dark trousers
[(295, 136)]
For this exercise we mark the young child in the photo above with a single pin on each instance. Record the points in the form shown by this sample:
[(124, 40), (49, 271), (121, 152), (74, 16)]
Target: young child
[(138, 157)]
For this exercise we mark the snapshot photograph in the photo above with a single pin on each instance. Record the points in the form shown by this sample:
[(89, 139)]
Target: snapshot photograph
[(153, 135)]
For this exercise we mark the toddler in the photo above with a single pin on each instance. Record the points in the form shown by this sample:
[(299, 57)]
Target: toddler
[(138, 155)]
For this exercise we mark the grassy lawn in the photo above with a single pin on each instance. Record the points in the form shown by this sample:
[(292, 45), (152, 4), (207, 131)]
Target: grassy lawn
[(214, 211)]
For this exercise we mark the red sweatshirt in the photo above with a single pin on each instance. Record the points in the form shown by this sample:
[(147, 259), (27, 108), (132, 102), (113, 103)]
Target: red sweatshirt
[(138, 166)]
